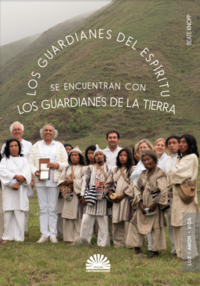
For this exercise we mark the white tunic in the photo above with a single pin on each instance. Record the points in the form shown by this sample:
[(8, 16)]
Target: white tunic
[(15, 200), (168, 162), (25, 151), (136, 173), (111, 156), (163, 157), (184, 169)]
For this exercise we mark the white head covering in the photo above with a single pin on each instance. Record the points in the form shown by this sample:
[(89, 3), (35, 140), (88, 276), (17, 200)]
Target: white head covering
[(98, 150), (77, 150)]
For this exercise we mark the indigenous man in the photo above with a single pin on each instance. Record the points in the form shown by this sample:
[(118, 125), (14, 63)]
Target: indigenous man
[(181, 176), (17, 130), (111, 152), (68, 148), (94, 181), (172, 144), (15, 175)]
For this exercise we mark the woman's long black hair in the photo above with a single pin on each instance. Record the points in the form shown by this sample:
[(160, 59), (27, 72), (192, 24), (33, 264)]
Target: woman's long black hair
[(92, 148), (129, 162), (81, 162), (134, 160), (7, 151), (192, 145)]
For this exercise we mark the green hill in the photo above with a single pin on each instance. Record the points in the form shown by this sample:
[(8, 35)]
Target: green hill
[(9, 51), (158, 25)]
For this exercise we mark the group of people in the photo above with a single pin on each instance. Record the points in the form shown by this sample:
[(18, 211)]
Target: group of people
[(113, 193)]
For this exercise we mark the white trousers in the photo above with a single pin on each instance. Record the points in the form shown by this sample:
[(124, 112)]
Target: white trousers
[(48, 199), (170, 228), (87, 227), (26, 222), (14, 222), (149, 240)]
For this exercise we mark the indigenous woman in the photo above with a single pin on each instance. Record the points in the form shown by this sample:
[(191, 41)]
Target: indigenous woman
[(119, 181), (71, 177), (160, 148), (142, 145), (184, 172), (150, 201)]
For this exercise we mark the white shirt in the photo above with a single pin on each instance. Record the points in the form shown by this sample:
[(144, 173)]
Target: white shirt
[(163, 157), (169, 162), (26, 148), (48, 151), (137, 171), (111, 156)]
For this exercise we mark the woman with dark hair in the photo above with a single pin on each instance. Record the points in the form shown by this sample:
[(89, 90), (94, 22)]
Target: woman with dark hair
[(183, 177), (119, 182), (136, 156), (68, 148), (89, 155), (15, 176), (150, 202), (71, 181)]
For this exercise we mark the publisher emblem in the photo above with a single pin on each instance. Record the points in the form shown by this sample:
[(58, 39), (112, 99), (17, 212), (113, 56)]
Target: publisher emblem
[(98, 263)]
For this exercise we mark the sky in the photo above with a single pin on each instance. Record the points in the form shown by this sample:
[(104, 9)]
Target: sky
[(21, 19)]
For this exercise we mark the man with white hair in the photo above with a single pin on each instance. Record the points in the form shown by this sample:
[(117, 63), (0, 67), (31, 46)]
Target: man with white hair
[(47, 190), (17, 130), (92, 194)]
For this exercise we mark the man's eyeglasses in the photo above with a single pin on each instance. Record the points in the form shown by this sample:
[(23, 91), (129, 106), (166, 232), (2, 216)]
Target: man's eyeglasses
[(17, 130)]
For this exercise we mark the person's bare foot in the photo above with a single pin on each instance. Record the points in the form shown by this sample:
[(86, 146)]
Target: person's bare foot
[(138, 250), (3, 241), (154, 254)]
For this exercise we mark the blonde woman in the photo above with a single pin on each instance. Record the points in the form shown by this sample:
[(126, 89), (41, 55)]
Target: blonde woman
[(160, 148), (142, 145)]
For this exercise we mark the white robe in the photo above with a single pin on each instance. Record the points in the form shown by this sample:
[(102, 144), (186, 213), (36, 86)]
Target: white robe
[(163, 157), (15, 202), (136, 173)]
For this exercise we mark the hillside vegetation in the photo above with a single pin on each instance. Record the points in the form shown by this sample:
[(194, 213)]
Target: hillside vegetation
[(158, 25), (9, 51)]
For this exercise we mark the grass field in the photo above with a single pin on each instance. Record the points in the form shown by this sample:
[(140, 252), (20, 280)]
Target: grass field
[(159, 25), (28, 263)]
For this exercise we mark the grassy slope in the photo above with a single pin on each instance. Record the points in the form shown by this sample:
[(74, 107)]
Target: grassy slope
[(31, 264), (9, 51), (158, 25)]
